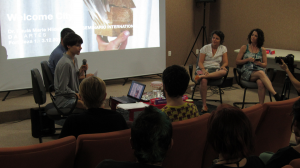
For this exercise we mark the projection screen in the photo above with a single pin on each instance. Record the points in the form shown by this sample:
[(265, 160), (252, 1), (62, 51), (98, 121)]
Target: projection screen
[(30, 31)]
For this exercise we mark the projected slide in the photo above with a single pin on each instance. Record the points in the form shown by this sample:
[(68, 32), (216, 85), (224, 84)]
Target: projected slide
[(31, 28)]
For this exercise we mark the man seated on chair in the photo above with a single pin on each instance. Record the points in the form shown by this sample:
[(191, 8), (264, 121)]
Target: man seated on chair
[(57, 53), (175, 82), (96, 119), (151, 137)]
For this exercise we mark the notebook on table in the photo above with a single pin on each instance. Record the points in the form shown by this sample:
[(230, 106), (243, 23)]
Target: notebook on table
[(134, 95)]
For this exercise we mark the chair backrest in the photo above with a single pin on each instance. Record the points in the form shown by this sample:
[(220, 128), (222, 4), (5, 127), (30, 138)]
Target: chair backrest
[(274, 128), (57, 153), (91, 149), (287, 166), (295, 163), (254, 113), (189, 138), (39, 91), (47, 75)]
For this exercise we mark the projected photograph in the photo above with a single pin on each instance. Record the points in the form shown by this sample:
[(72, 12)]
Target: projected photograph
[(32, 28)]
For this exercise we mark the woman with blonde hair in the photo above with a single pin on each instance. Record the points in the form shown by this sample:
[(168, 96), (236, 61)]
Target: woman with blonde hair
[(96, 119)]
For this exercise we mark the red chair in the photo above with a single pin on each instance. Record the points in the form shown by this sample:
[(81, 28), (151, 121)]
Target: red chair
[(274, 129), (287, 166), (254, 114), (91, 149), (189, 138), (295, 163), (55, 154)]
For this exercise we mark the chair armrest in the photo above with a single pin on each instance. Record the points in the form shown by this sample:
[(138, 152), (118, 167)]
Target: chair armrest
[(225, 77), (191, 72), (64, 94), (237, 75)]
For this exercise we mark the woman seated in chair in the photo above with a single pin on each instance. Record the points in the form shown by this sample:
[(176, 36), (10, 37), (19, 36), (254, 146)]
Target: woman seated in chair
[(92, 91), (211, 56), (230, 135), (253, 57)]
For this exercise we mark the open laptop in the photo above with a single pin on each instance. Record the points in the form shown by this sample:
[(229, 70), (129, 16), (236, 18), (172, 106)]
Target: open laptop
[(134, 95)]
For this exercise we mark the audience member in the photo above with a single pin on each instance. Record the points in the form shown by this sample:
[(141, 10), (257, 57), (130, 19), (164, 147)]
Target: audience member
[(96, 119), (57, 53), (230, 135), (66, 76), (151, 137), (209, 64), (253, 59), (285, 155), (175, 82)]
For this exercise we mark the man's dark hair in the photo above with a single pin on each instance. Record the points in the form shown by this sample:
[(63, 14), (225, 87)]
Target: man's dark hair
[(176, 80), (296, 113), (230, 133), (260, 38), (71, 40), (65, 32), (220, 34), (151, 136)]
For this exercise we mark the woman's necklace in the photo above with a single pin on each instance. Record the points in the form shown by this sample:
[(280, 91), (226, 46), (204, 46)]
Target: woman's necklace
[(254, 51)]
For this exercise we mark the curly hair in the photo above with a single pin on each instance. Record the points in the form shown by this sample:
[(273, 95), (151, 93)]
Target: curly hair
[(176, 80), (72, 39), (151, 135), (260, 39), (220, 34), (230, 132)]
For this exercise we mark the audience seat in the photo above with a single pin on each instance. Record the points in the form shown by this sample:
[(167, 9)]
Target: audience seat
[(254, 114), (189, 138), (91, 149), (287, 166), (274, 128), (55, 154), (295, 163)]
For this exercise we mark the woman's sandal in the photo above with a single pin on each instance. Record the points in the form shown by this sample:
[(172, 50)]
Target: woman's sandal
[(204, 109)]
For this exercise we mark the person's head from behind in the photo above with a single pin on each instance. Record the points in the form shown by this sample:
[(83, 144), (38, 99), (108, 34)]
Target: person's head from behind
[(217, 37), (65, 32), (230, 133), (92, 91), (296, 121), (256, 36), (175, 80), (151, 136), (73, 42)]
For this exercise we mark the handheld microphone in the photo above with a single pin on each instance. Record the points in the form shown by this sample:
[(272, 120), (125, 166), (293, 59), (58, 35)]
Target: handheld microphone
[(84, 63)]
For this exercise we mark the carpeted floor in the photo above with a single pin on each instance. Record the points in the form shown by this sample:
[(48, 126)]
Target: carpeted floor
[(199, 106)]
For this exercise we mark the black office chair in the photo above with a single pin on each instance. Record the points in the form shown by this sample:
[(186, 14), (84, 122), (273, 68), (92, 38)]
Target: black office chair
[(211, 82), (51, 110), (47, 76), (250, 85)]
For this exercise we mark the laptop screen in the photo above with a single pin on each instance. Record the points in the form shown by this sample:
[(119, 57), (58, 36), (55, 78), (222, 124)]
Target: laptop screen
[(136, 90)]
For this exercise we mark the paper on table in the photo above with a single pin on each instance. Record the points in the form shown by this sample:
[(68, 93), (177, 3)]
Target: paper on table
[(132, 105)]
